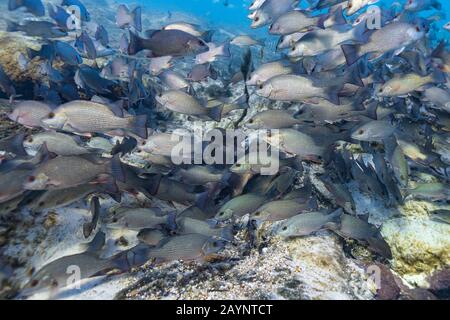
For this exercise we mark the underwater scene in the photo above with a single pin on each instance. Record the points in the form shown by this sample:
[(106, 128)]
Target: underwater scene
[(224, 150)]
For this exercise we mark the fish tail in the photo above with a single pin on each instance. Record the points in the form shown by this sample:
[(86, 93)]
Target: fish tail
[(138, 126), (351, 53), (137, 18), (379, 245), (15, 4), (216, 113), (135, 44), (321, 21), (172, 221), (227, 233), (202, 200), (332, 94), (151, 185), (12, 26), (225, 50), (353, 77), (116, 169)]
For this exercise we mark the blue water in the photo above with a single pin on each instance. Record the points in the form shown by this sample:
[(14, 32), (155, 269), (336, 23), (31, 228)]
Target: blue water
[(214, 13)]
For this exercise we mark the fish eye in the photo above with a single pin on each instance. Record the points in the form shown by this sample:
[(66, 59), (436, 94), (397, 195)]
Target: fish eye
[(284, 228), (417, 29), (350, 5), (261, 86), (34, 283), (258, 214), (361, 131), (51, 115), (31, 179), (251, 121), (221, 214), (256, 19), (215, 244), (30, 140), (238, 165), (41, 204), (293, 49)]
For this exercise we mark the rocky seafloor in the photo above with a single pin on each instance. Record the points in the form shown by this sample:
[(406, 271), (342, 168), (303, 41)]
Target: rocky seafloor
[(322, 266)]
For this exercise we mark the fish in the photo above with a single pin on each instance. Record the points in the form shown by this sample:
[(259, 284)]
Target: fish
[(190, 247), (137, 219), (65, 172), (57, 143), (295, 21), (30, 113), (162, 43), (407, 83), (440, 98), (85, 117), (35, 7), (32, 28), (447, 26), (101, 35), (58, 273), (268, 71), (245, 41), (430, 191), (90, 79), (322, 40), (296, 89), (271, 10), (162, 144), (355, 228), (420, 5), (67, 53), (135, 182), (282, 209), (354, 6), (272, 119), (55, 199), (201, 175), (212, 53), (186, 225), (184, 103), (174, 81), (191, 29), (442, 216), (240, 206), (157, 65), (11, 185), (175, 191), (126, 18), (289, 40), (86, 45), (327, 61), (392, 37), (375, 130), (201, 72), (307, 223)]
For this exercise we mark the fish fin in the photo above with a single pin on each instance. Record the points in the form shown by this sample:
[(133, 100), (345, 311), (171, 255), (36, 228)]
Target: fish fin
[(17, 142), (95, 212), (216, 113), (172, 221), (225, 50), (226, 177), (207, 35), (227, 233), (137, 18), (116, 169), (351, 53), (135, 44), (12, 26), (202, 200), (138, 126), (353, 77), (439, 77)]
